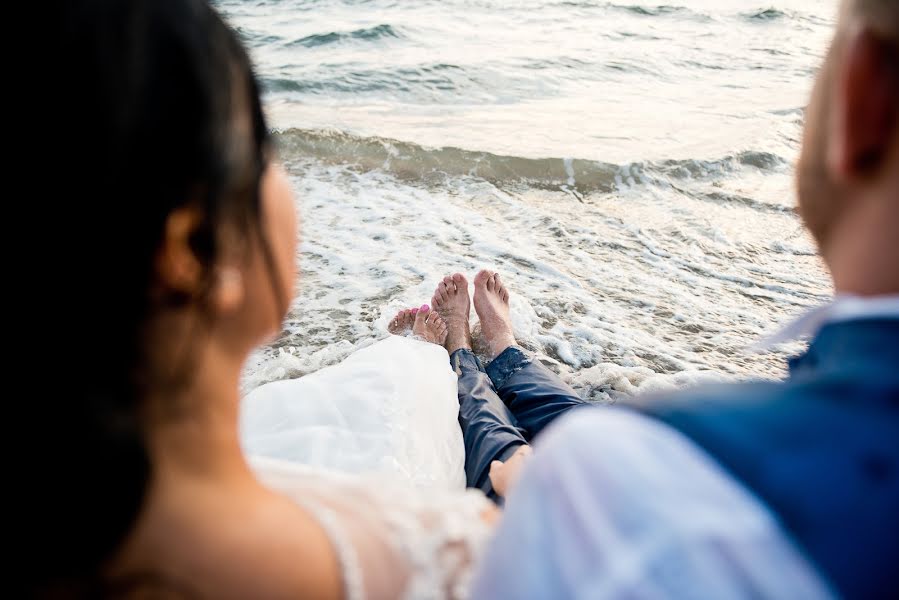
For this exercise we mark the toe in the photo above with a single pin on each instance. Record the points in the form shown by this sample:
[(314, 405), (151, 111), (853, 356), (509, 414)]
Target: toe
[(421, 317), (482, 277), (501, 290), (450, 285), (461, 283), (491, 283)]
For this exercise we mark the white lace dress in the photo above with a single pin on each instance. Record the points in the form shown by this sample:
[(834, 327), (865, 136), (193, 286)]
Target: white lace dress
[(372, 448)]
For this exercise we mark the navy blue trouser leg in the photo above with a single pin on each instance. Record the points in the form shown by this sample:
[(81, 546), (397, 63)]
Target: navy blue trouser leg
[(535, 395), (504, 406), (488, 426)]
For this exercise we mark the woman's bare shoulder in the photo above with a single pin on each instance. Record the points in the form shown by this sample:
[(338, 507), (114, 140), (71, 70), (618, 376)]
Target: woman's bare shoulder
[(238, 544)]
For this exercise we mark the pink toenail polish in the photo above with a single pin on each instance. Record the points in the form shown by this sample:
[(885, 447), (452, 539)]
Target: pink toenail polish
[(425, 308)]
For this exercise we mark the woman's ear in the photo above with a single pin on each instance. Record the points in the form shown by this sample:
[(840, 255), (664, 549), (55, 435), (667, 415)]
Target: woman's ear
[(178, 266)]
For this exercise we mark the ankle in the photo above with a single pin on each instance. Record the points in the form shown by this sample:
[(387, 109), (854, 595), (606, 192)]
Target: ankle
[(500, 345), (458, 338), (450, 348)]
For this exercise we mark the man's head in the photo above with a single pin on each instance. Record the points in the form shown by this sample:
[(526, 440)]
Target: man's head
[(848, 173)]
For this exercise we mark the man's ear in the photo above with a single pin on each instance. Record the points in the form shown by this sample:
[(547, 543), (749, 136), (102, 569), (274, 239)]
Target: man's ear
[(178, 267), (866, 97)]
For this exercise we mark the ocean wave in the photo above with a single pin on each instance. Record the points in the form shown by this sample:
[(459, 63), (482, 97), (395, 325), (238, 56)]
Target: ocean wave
[(661, 10), (425, 78), (757, 205), (768, 14), (421, 82), (367, 34), (766, 161), (411, 161), (650, 11), (253, 38)]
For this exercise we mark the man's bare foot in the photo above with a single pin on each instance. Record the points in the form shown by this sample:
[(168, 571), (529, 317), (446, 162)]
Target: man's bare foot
[(451, 302), (491, 302), (422, 322)]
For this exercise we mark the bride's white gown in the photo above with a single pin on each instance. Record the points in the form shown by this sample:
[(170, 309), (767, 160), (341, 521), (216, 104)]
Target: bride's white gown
[(372, 448)]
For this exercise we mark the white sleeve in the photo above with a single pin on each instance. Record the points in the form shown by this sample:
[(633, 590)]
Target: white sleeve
[(615, 505)]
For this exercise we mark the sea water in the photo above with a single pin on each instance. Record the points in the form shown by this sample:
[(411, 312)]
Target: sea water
[(627, 167)]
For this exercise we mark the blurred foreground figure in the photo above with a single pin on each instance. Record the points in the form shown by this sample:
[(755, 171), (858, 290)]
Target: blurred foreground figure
[(760, 490)]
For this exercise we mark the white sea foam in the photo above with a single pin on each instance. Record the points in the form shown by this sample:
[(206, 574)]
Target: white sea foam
[(615, 294)]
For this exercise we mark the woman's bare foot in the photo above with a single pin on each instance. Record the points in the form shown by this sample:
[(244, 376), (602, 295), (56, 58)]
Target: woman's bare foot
[(402, 322), (491, 302), (429, 326), (422, 322), (451, 302)]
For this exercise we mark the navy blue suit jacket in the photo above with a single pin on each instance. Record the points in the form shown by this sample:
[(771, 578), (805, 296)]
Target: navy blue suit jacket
[(821, 450)]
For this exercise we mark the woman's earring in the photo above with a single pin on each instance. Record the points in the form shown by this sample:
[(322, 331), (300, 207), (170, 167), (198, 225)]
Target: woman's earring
[(229, 289)]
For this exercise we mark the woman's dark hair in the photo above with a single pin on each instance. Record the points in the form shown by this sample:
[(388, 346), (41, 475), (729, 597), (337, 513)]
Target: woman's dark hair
[(149, 99)]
